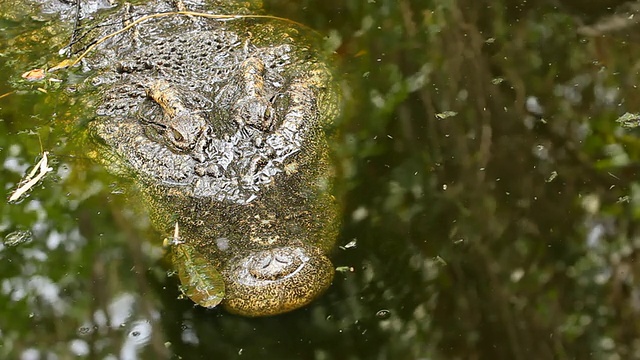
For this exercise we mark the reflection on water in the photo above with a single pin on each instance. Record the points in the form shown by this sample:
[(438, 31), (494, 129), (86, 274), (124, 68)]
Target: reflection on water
[(138, 336), (491, 212)]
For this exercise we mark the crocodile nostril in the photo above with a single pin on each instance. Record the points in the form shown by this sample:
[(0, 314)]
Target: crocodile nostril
[(283, 258), (265, 261), (273, 264)]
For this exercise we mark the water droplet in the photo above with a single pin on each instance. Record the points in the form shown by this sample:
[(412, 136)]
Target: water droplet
[(84, 330), (383, 314), (351, 244)]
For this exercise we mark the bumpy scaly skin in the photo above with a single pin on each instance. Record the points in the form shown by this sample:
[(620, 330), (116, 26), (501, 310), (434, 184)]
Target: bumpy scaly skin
[(311, 274), (223, 126)]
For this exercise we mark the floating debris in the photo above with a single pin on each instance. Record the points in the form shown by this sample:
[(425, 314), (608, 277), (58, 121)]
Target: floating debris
[(554, 174), (42, 167), (624, 199), (349, 245), (383, 314), (440, 261), (34, 75), (201, 282), (446, 114), (629, 120), (18, 237), (344, 269)]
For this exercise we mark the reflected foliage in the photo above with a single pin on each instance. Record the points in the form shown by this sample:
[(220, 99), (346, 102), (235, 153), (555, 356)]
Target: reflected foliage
[(516, 217)]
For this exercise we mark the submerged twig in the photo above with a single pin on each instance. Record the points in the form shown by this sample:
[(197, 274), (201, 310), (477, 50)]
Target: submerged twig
[(87, 30), (76, 26), (625, 20), (32, 179)]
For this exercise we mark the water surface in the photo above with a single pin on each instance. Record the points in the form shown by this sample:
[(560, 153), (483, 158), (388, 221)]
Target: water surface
[(490, 194)]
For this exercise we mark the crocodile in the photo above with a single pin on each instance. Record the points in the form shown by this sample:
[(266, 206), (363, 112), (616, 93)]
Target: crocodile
[(222, 117)]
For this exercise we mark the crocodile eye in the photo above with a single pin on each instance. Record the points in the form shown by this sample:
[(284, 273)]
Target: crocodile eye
[(176, 135)]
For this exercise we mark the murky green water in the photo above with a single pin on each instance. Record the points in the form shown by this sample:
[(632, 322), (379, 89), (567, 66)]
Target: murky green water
[(490, 194)]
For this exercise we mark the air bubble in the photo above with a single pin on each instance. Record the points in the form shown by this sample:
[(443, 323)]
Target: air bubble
[(383, 314)]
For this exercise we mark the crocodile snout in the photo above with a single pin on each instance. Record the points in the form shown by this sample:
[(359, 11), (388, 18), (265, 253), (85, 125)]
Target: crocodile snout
[(273, 281)]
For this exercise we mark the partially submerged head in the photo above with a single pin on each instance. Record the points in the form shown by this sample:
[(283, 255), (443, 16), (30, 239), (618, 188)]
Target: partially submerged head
[(222, 128), (274, 281)]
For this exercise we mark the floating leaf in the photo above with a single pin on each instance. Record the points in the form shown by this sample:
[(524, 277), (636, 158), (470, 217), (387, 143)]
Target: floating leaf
[(446, 114), (18, 237), (201, 281), (34, 75), (629, 120)]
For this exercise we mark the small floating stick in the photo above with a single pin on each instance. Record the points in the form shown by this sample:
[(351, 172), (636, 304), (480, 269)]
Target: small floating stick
[(32, 179)]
